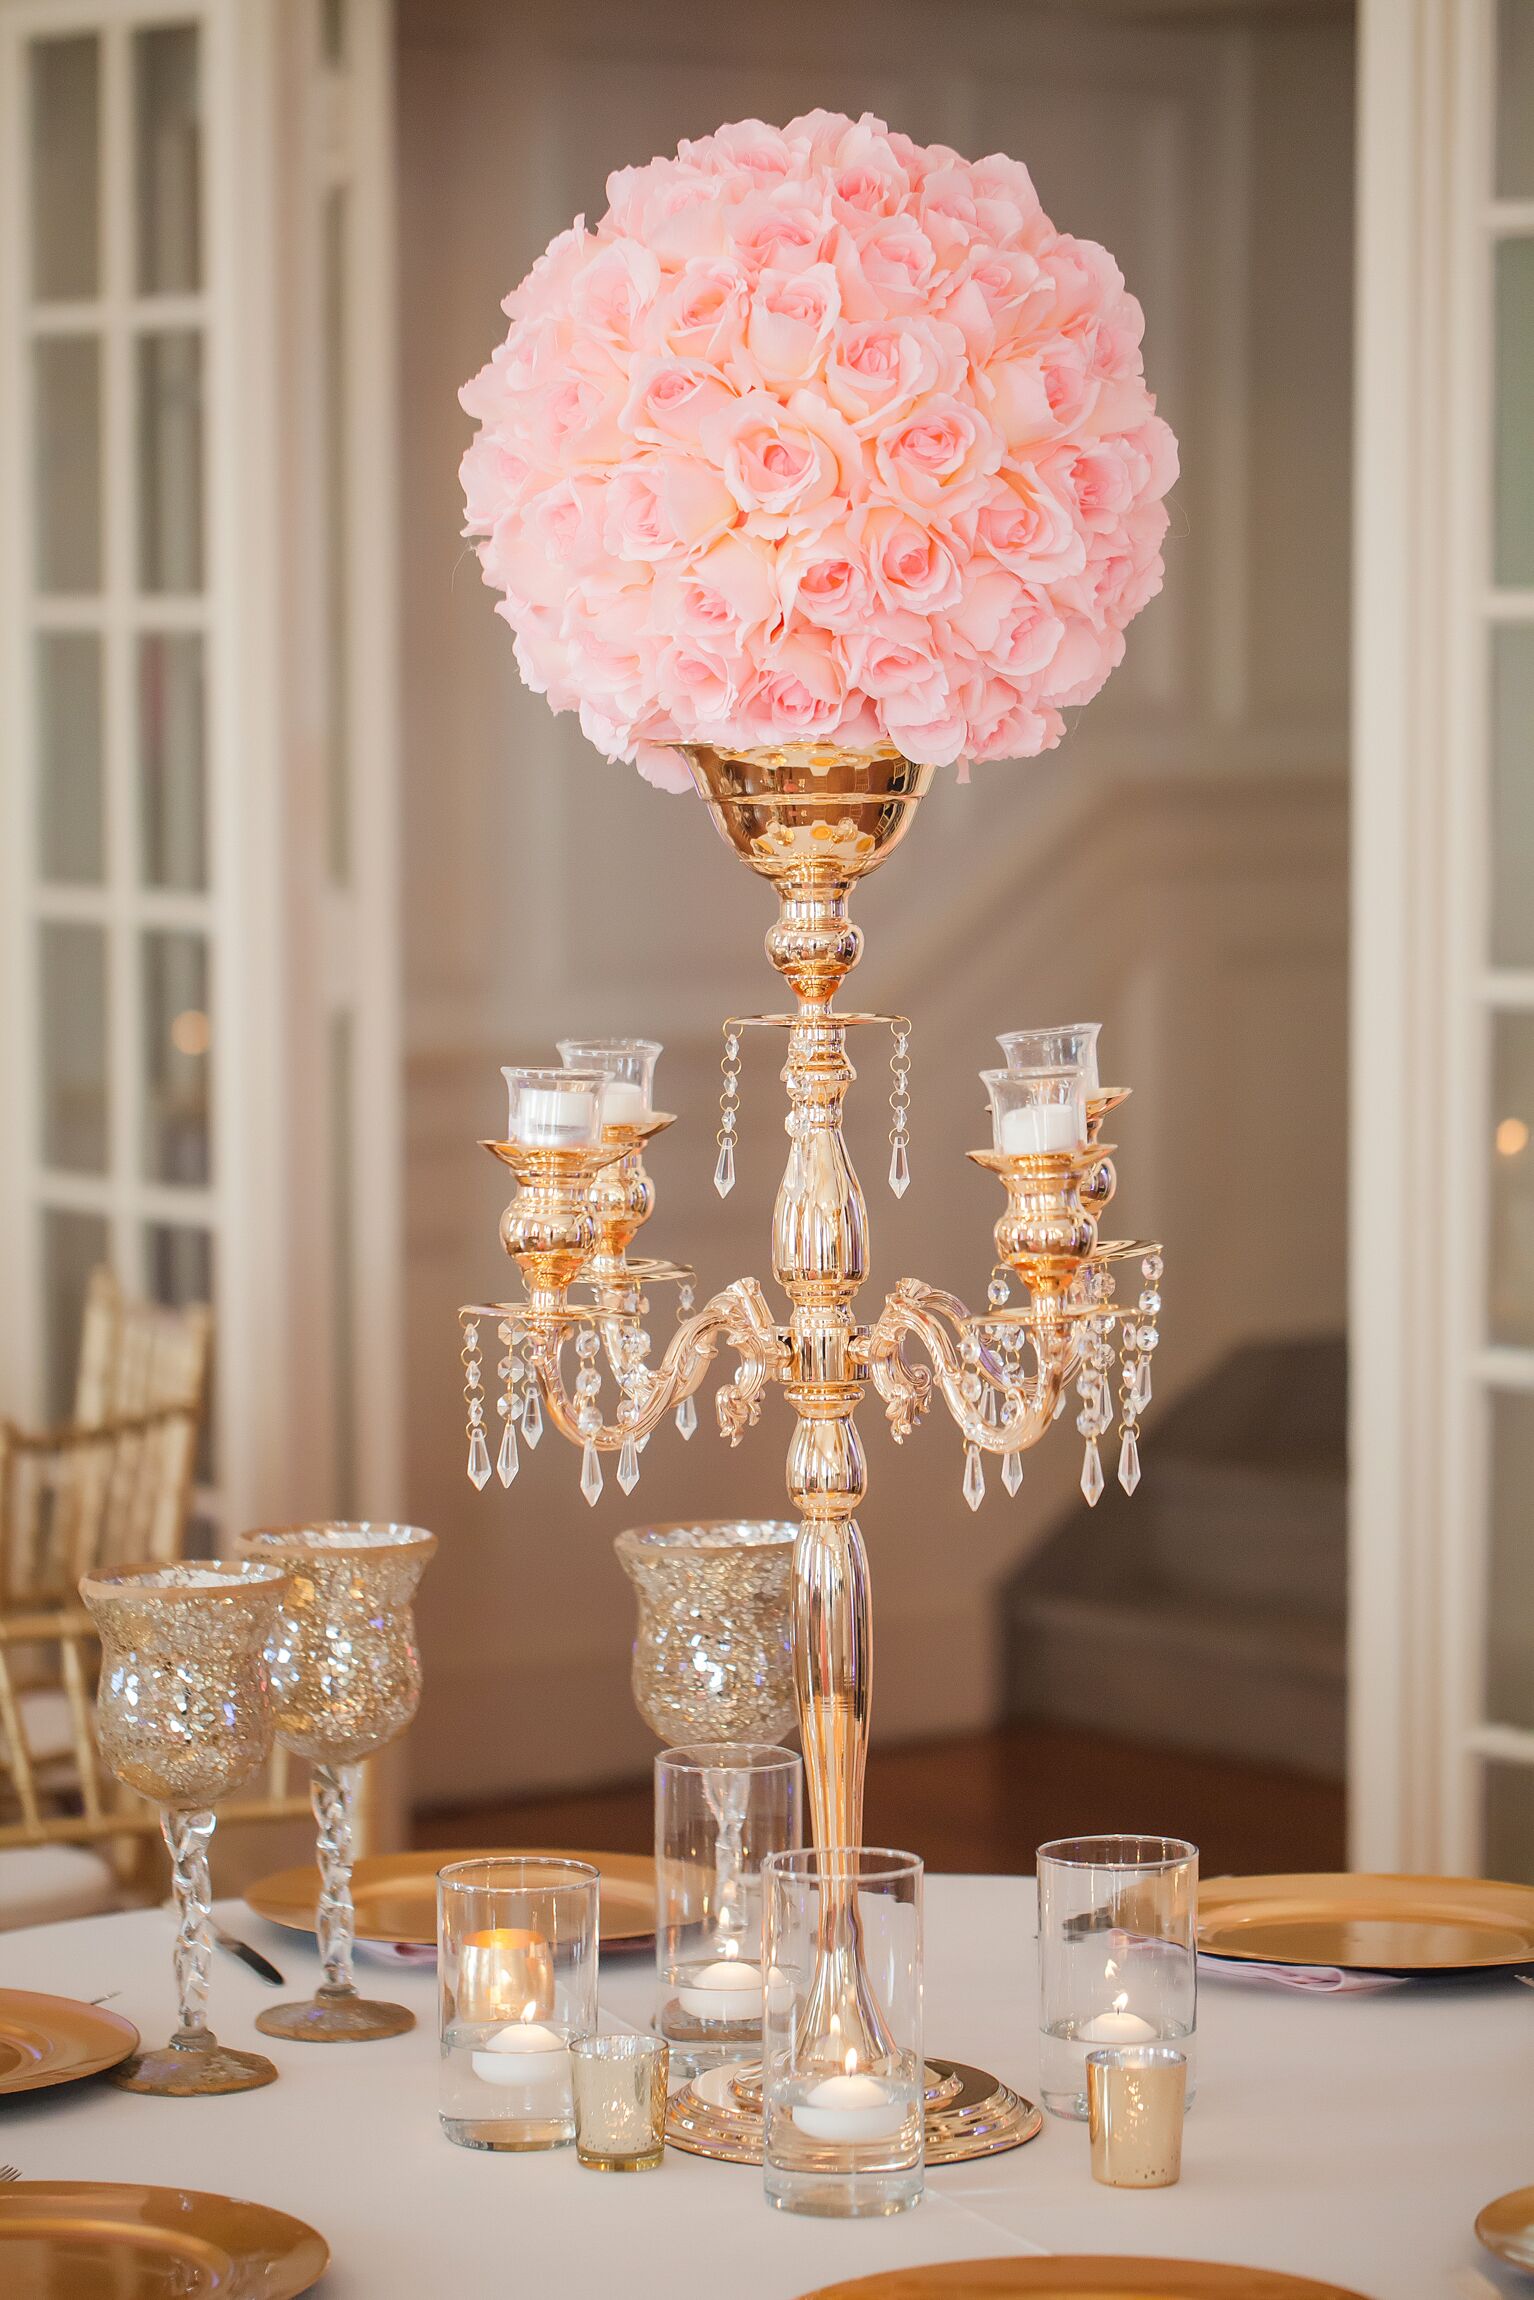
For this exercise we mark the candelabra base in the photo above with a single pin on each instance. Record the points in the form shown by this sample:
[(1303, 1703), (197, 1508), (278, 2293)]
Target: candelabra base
[(969, 2114)]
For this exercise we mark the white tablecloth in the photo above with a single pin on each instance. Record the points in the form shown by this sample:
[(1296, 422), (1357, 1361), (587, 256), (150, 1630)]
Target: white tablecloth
[(1350, 2138)]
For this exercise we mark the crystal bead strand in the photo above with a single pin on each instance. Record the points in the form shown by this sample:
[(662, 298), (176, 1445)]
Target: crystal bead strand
[(686, 1412), (510, 1369), (729, 1112), (1096, 1415), (900, 1109), (474, 1400)]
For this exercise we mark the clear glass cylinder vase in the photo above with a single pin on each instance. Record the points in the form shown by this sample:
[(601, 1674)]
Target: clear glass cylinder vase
[(842, 2070), (517, 1982), (1118, 1959), (721, 1809)]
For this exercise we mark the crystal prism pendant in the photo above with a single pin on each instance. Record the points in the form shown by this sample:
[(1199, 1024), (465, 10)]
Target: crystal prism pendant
[(506, 1464), (724, 1171), (1141, 1392), (1092, 1475), (479, 1458), (687, 1417), (1060, 1406), (628, 1465), (1129, 1462), (1012, 1471), (900, 1167), (974, 1477), (532, 1416), (591, 1474)]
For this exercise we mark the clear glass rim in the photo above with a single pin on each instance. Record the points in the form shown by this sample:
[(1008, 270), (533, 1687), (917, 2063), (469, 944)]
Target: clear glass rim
[(732, 1533), (1133, 2056), (579, 1046), (157, 1581), (1132, 1852), (1006, 1038), (730, 1757), (842, 1865), (474, 1876), (534, 1074), (337, 1537)]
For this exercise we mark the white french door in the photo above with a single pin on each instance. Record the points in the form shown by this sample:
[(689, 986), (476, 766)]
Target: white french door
[(196, 664), (1443, 1011)]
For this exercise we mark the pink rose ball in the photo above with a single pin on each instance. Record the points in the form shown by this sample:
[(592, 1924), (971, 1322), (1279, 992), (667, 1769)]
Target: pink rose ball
[(820, 434)]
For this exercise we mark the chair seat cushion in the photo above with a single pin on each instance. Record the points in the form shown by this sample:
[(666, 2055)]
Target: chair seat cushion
[(43, 1884)]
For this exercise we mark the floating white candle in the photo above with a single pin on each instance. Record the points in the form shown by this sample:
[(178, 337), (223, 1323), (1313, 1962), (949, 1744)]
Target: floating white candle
[(1120, 2026), (851, 2108), (729, 1990), (1038, 1128), (623, 1103), (523, 2053)]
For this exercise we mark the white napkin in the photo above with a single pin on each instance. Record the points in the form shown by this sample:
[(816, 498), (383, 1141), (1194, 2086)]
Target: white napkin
[(1313, 1980)]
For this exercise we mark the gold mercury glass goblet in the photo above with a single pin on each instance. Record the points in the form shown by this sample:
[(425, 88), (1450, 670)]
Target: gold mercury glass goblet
[(346, 1678), (184, 1715)]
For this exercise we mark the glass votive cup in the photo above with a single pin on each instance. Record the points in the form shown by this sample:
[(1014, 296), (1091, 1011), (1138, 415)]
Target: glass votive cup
[(553, 1109), (1136, 2101), (843, 2078), (1055, 1046), (620, 2102), (517, 1981), (721, 1808), (1036, 1113), (1117, 1955), (629, 1064)]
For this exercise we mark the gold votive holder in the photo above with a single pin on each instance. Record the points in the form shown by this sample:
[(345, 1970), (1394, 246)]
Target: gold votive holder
[(1136, 2098), (620, 2102)]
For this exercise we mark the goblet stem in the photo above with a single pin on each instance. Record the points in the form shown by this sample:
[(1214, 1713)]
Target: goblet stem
[(727, 1792), (331, 1792), (187, 1836)]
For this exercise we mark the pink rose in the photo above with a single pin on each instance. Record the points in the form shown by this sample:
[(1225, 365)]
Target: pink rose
[(663, 766), (1027, 528), (878, 369), (996, 299), (937, 458), (777, 231), (723, 598), (765, 154), (611, 292), (702, 314), (665, 506), (1006, 204), (669, 401), (823, 578), (695, 686), (547, 286), (898, 658), (494, 478), (801, 692), (791, 320), (575, 421), (913, 568), (896, 261), (787, 467)]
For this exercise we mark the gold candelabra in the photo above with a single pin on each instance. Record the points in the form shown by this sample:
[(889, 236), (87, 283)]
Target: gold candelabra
[(814, 819)]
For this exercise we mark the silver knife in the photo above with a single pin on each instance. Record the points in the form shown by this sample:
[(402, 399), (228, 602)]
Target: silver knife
[(249, 1956)]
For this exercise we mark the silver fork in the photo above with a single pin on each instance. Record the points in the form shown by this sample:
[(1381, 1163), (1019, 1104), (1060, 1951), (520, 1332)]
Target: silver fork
[(10, 2172)]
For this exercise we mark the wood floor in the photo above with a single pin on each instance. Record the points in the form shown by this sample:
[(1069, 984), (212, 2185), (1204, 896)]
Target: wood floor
[(983, 1803)]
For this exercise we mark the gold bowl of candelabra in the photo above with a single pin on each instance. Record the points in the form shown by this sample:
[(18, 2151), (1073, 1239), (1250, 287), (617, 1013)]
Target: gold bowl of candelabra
[(813, 819)]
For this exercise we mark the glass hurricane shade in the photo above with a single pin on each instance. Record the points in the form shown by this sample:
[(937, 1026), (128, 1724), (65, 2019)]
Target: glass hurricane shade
[(554, 1109), (1036, 1112), (629, 1064), (1055, 1046)]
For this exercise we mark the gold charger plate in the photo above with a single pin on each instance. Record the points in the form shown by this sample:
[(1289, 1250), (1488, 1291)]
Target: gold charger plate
[(396, 1894), (1368, 1923), (1071, 2277), (1506, 2227), (57, 2040), (95, 2240)]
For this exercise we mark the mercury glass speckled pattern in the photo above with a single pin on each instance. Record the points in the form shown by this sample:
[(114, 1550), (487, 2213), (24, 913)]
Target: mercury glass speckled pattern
[(184, 1714), (713, 1658), (345, 1671)]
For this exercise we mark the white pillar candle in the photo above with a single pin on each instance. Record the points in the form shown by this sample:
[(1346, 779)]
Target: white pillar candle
[(1038, 1128), (728, 1990), (851, 2108), (623, 1103), (526, 2054), (548, 1118)]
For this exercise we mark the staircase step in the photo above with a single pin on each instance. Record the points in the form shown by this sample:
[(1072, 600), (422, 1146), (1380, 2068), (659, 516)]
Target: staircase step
[(1206, 1676), (1247, 1533)]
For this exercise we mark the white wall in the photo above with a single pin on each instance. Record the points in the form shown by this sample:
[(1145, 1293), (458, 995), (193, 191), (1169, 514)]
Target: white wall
[(1178, 867)]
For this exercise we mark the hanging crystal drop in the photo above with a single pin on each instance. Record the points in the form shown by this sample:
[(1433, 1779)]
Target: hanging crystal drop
[(532, 1416), (974, 1477), (1061, 1402), (724, 1171), (1092, 1475), (687, 1417), (900, 1168), (1012, 1470), (1140, 1394), (591, 1474), (479, 1458), (1129, 1462), (628, 1465), (506, 1463)]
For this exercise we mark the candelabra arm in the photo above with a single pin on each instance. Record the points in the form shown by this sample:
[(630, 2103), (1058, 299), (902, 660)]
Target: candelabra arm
[(1024, 1409), (739, 1317)]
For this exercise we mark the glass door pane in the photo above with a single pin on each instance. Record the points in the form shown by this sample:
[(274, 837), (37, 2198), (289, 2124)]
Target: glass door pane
[(73, 980), (65, 187), (66, 399), (172, 761), (167, 173), (71, 826)]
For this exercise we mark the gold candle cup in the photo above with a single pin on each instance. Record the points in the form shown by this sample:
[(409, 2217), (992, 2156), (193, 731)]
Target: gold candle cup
[(505, 1974), (1136, 2098), (620, 2102)]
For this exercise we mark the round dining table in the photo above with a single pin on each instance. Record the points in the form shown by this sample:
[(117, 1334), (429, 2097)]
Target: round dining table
[(1348, 2138)]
